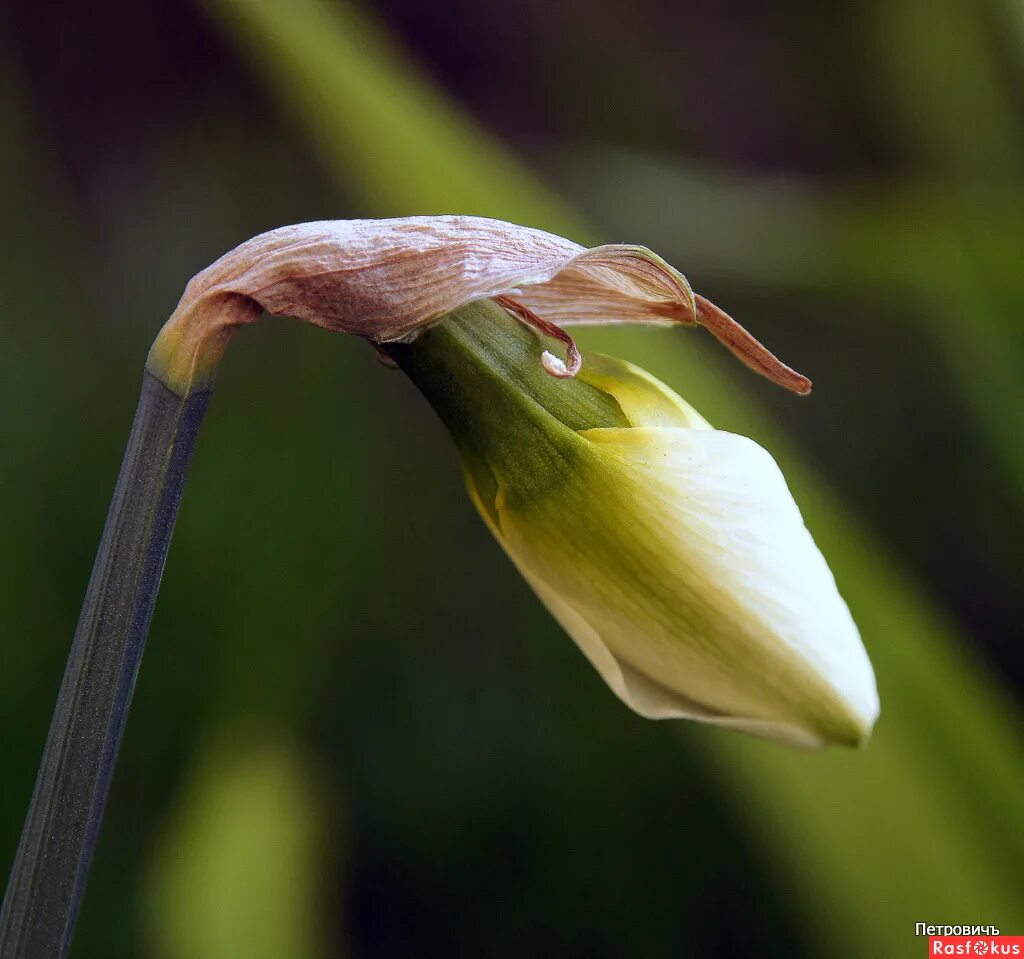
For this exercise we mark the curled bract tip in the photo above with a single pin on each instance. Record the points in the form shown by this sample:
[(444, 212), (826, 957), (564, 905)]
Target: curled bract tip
[(551, 363), (385, 280)]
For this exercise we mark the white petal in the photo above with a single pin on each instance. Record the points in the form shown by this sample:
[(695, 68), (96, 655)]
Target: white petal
[(698, 581), (646, 697)]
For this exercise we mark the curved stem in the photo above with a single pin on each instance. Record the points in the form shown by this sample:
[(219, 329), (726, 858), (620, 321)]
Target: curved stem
[(57, 842)]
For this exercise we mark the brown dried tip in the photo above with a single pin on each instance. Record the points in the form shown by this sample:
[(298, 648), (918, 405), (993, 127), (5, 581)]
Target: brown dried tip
[(748, 350)]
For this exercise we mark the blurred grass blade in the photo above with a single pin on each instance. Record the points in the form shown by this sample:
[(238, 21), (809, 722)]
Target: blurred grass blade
[(959, 120), (951, 255), (238, 872), (784, 231), (926, 822), (52, 863), (421, 155)]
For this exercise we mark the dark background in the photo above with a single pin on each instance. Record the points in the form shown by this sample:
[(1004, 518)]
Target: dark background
[(356, 731)]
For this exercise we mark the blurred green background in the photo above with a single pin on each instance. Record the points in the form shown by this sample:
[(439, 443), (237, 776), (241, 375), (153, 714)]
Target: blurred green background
[(356, 732)]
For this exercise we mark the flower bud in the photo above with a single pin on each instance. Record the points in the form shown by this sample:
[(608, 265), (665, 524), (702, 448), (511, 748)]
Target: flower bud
[(672, 553)]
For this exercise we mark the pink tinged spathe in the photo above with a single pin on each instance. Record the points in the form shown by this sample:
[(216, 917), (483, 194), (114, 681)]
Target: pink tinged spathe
[(384, 280)]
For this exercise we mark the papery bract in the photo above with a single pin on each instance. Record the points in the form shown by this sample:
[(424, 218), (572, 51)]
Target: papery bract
[(386, 279)]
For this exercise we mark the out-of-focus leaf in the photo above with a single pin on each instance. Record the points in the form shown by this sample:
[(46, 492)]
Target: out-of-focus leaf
[(938, 86), (925, 823), (331, 67), (949, 252), (239, 870), (783, 231)]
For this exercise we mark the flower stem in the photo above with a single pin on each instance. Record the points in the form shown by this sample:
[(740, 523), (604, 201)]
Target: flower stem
[(53, 858)]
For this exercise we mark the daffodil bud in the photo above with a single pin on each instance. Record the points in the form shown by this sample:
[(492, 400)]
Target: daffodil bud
[(672, 553)]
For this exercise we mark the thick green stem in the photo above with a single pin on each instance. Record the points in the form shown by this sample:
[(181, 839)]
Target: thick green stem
[(57, 842)]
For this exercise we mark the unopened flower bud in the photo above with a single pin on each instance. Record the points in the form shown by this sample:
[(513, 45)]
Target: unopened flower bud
[(671, 552)]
